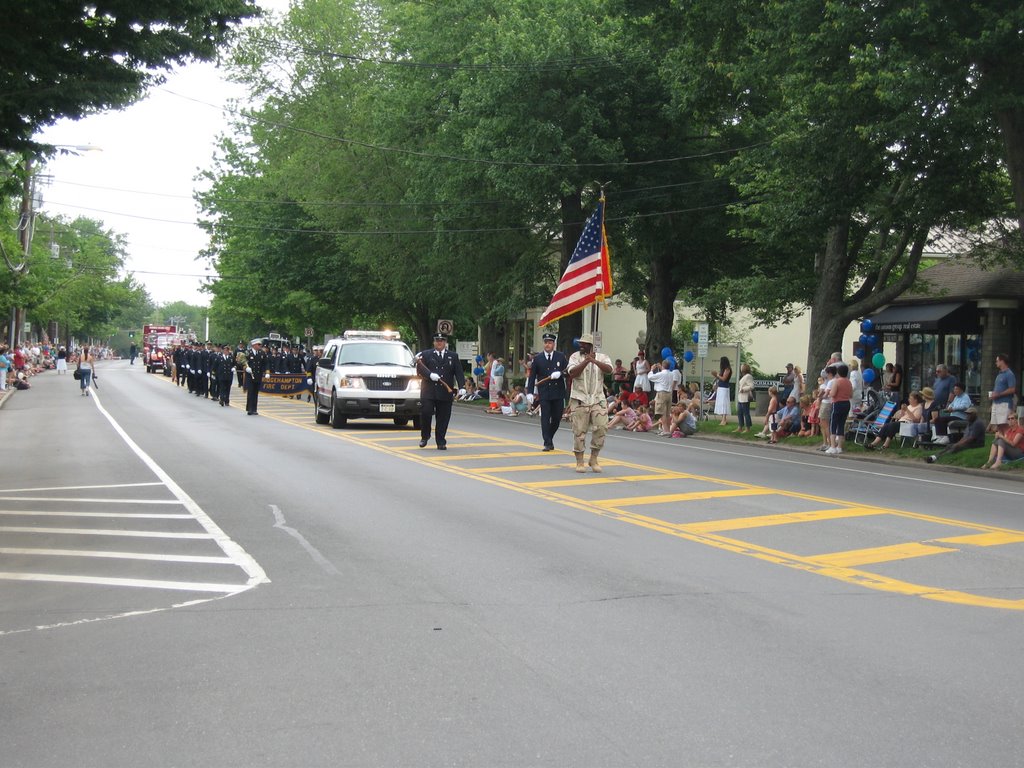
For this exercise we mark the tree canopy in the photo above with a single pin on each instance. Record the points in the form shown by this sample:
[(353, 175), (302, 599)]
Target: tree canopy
[(776, 156), (69, 59)]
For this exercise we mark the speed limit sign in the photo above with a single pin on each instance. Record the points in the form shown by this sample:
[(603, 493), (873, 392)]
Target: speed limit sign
[(445, 327)]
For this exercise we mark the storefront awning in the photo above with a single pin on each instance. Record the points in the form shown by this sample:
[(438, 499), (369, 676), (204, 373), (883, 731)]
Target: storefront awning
[(913, 318)]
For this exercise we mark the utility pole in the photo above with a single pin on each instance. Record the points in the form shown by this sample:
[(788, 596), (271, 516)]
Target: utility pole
[(26, 225)]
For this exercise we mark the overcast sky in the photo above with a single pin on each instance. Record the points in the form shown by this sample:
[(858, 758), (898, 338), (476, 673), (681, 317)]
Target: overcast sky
[(142, 181)]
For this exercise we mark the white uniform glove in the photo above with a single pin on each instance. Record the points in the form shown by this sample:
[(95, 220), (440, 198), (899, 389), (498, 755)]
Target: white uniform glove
[(435, 377), (462, 392), (556, 375), (248, 369), (266, 375)]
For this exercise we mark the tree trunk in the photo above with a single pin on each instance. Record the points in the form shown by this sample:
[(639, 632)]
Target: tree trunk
[(661, 296), (828, 320), (492, 339), (1011, 126)]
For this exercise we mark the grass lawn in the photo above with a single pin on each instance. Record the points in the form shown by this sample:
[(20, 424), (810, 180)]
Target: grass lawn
[(973, 457)]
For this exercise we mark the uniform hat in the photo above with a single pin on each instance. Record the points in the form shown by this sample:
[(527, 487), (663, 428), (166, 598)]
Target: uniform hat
[(587, 338), (254, 342), (549, 337)]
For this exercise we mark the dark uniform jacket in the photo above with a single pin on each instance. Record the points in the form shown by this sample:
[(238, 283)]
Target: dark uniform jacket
[(257, 362), (542, 368), (447, 366)]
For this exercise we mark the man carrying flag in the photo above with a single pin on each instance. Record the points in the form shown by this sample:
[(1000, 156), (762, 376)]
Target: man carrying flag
[(588, 275)]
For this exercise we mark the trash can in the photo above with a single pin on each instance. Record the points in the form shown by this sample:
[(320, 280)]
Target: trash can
[(761, 392)]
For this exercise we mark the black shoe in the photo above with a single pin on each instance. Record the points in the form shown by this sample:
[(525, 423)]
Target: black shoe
[(548, 448), (442, 447), (423, 443)]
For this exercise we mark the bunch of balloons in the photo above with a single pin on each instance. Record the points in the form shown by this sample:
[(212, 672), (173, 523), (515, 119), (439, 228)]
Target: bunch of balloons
[(667, 358), (479, 369)]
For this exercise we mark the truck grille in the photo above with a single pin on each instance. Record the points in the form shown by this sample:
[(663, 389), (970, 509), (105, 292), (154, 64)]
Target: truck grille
[(386, 384)]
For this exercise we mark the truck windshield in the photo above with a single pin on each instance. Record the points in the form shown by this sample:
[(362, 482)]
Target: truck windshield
[(375, 354)]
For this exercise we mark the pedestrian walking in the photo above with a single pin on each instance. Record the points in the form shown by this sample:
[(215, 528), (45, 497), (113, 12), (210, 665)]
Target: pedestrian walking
[(587, 405), (547, 378), (439, 370), (133, 352), (85, 370), (256, 371), (62, 360)]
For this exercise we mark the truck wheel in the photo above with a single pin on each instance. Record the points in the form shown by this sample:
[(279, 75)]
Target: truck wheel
[(337, 420), (321, 418)]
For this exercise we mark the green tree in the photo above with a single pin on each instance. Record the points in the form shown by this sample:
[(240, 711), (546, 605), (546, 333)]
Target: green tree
[(61, 59), (869, 145)]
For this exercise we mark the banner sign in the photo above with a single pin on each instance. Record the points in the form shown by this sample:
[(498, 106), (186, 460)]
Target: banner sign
[(286, 384)]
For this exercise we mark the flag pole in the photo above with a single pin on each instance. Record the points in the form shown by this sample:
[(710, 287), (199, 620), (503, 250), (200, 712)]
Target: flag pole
[(596, 314)]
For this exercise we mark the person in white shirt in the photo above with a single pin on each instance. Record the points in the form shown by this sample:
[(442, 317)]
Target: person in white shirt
[(662, 380)]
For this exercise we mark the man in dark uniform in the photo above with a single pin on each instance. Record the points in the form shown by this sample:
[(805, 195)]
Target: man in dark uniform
[(224, 372), (256, 370), (548, 375), (213, 360), (192, 366), (439, 369)]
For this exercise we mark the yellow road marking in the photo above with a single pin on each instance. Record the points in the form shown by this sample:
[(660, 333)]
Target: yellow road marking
[(904, 551), (520, 468), (990, 535), (990, 539), (667, 498), (759, 521), (602, 479)]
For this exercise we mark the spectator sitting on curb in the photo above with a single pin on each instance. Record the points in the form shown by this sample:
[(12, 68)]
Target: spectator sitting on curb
[(684, 420), (788, 420), (973, 437), (1006, 447), (643, 420)]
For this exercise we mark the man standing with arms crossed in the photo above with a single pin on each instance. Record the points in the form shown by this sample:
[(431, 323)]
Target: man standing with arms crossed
[(586, 401), (547, 374)]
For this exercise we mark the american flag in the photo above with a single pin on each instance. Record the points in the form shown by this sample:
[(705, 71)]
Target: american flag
[(588, 275)]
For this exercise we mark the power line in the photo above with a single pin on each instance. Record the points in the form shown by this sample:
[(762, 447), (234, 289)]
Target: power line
[(458, 158)]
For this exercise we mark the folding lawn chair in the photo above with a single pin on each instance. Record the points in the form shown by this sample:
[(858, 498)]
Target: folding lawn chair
[(862, 431)]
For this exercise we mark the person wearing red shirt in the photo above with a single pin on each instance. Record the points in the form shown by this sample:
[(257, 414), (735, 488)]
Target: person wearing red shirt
[(841, 394)]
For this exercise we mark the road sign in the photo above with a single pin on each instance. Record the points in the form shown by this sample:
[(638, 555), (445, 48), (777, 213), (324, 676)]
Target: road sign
[(445, 326), (702, 334), (702, 349), (309, 333)]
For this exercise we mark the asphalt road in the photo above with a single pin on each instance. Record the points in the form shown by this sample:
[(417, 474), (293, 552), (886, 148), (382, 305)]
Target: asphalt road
[(183, 585)]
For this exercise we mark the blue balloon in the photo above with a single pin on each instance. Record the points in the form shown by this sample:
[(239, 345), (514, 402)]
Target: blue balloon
[(670, 362), (864, 339), (860, 353), (478, 371), (867, 326), (869, 375), (666, 352), (696, 337), (479, 358), (872, 341), (688, 356)]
